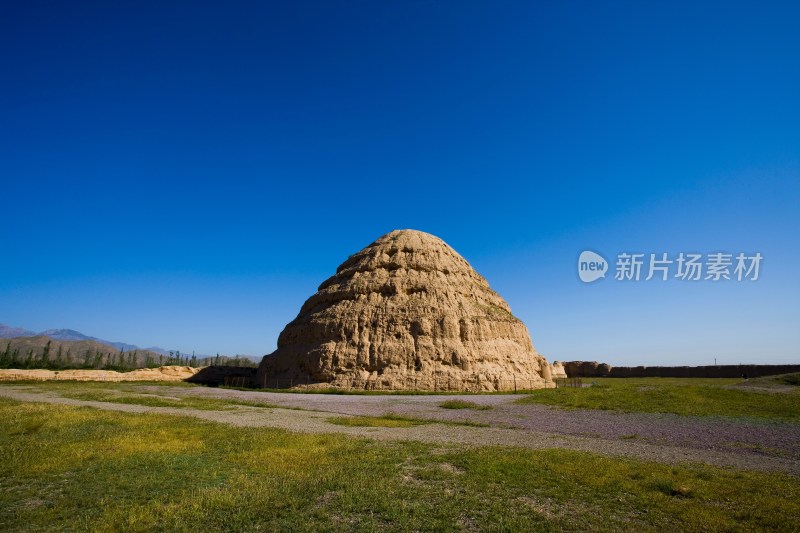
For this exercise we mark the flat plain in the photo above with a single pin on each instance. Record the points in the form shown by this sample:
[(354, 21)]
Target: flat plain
[(620, 454)]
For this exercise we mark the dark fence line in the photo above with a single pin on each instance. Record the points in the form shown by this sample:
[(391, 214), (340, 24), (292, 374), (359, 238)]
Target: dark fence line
[(433, 384), (215, 375), (568, 383), (710, 371), (239, 381), (245, 377)]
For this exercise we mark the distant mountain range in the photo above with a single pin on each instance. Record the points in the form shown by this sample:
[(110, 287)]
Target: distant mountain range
[(9, 332)]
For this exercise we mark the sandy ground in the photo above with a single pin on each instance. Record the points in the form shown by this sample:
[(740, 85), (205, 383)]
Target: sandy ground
[(766, 446), (164, 373)]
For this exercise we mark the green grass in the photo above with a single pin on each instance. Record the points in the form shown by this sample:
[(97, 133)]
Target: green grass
[(463, 404), (391, 420), (386, 421), (792, 379), (683, 396), (132, 393), (187, 402), (71, 468)]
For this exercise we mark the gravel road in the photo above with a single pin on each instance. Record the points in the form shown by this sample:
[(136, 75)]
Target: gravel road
[(756, 445)]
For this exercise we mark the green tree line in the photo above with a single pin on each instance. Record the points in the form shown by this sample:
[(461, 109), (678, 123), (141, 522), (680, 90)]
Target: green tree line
[(60, 359)]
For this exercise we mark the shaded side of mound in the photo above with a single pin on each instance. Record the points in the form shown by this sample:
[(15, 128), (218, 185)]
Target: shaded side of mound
[(406, 312)]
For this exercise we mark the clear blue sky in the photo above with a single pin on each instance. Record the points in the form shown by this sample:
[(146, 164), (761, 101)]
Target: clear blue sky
[(186, 174)]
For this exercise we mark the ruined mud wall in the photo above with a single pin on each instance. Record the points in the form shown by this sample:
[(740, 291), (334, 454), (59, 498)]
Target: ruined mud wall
[(592, 369)]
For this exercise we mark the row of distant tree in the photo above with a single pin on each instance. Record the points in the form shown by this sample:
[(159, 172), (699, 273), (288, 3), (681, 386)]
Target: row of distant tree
[(94, 359)]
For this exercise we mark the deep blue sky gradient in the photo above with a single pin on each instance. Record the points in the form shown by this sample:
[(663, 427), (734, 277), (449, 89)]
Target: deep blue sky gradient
[(186, 174)]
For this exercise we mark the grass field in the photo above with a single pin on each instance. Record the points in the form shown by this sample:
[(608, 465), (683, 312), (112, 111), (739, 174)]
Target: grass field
[(130, 393), (769, 398), (463, 404), (683, 396), (386, 421), (160, 400), (71, 468), (391, 420)]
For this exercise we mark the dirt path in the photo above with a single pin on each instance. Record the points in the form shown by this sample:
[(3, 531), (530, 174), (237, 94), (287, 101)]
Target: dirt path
[(531, 426)]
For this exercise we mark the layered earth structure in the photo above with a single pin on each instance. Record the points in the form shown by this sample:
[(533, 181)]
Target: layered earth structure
[(406, 313)]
